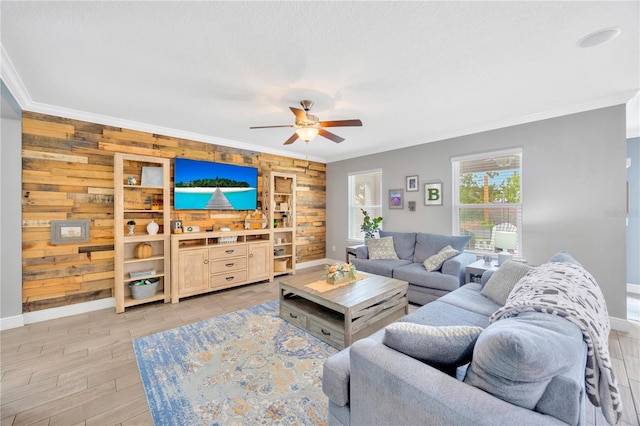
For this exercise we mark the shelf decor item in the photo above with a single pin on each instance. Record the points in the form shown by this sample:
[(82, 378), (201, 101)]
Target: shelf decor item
[(132, 226), (143, 250), (144, 289), (152, 228), (340, 272)]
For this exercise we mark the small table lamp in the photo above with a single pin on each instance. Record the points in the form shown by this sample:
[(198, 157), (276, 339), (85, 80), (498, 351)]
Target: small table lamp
[(507, 241)]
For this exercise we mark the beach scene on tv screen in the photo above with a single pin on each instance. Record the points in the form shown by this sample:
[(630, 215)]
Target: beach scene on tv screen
[(204, 185)]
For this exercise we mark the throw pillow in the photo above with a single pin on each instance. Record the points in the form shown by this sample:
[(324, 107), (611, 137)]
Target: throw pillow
[(444, 347), (381, 248), (503, 280), (435, 262), (516, 358)]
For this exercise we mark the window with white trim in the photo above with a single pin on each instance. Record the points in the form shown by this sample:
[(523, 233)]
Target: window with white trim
[(365, 193), (487, 200)]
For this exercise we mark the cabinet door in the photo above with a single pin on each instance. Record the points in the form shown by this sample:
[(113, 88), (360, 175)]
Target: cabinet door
[(259, 261), (193, 268)]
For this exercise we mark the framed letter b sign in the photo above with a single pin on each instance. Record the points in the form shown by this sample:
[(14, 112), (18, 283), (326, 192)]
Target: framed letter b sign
[(433, 194)]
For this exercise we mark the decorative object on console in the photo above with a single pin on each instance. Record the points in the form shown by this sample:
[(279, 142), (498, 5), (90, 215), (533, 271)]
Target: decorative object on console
[(153, 228), (340, 272), (487, 258), (192, 228), (176, 226)]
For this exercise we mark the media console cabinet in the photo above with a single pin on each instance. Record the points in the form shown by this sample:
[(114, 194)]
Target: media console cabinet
[(208, 261)]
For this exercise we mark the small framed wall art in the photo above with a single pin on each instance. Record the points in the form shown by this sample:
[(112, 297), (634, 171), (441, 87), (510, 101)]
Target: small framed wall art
[(69, 231), (396, 199), (412, 184), (433, 194)]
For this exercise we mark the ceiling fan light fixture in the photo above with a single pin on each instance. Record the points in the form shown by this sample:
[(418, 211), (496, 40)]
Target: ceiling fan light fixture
[(307, 133)]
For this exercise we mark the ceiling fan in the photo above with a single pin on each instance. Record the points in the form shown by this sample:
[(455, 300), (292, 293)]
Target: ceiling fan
[(308, 126)]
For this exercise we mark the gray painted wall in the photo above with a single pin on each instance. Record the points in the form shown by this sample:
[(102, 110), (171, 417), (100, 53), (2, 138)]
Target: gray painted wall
[(10, 219), (573, 184), (633, 226)]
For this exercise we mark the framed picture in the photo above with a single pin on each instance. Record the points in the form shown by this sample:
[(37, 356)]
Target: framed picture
[(412, 184), (69, 231), (396, 199), (433, 194), (152, 176)]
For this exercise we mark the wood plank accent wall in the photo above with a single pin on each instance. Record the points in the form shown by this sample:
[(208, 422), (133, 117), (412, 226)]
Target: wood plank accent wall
[(67, 174)]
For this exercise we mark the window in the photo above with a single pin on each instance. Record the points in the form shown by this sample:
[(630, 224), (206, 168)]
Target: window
[(487, 202), (365, 192)]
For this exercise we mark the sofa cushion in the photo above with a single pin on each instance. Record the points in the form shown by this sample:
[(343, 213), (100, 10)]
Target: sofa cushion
[(335, 377), (503, 280), (379, 267), (437, 313), (468, 297), (516, 358), (442, 347), (414, 273), (429, 244), (434, 263), (403, 242), (381, 248)]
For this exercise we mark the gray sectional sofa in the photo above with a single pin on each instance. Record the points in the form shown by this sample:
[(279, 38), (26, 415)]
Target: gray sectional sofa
[(412, 249), (523, 370)]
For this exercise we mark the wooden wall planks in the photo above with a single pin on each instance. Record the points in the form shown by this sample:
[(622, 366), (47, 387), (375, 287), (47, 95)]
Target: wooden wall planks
[(67, 174)]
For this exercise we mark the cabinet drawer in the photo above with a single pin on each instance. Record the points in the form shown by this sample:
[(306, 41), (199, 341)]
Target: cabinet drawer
[(226, 251), (328, 334), (228, 279), (225, 265), (293, 316)]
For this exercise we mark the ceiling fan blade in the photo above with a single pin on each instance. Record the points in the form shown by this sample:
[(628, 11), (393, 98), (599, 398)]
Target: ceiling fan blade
[(292, 139), (329, 135), (341, 123), (300, 114), (269, 127)]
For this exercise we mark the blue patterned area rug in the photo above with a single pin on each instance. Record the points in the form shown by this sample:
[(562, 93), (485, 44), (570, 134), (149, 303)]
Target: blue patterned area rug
[(246, 367)]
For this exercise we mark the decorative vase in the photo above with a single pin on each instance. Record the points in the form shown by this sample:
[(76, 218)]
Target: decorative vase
[(487, 258), (152, 228), (131, 228)]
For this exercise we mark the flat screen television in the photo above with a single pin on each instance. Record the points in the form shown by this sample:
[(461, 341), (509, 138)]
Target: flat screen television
[(204, 185)]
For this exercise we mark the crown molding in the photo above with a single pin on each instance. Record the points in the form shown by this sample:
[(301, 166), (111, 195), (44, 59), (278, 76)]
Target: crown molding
[(19, 91)]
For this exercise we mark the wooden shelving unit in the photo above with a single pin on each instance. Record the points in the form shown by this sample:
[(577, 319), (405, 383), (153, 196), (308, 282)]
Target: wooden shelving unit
[(142, 204), (279, 194)]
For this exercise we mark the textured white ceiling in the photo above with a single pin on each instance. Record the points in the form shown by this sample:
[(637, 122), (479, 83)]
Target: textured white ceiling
[(413, 72)]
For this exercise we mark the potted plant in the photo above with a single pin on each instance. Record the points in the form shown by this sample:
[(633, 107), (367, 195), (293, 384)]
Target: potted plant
[(370, 226), (131, 224)]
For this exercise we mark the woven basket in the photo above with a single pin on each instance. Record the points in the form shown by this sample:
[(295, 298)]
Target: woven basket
[(144, 291), (279, 265)]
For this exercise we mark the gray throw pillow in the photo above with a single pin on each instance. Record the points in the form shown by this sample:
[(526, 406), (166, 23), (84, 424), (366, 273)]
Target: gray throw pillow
[(435, 262), (503, 280), (449, 346), (516, 358), (381, 248)]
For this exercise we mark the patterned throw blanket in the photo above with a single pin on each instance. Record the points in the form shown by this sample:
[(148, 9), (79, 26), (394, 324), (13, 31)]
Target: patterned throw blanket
[(569, 291)]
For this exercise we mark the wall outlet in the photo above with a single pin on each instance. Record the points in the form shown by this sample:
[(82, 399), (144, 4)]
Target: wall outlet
[(333, 248)]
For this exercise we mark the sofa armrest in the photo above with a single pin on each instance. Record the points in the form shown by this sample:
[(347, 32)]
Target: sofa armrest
[(362, 252), (457, 265), (390, 388)]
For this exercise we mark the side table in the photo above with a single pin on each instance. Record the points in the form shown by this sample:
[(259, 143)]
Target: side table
[(477, 268), (351, 251)]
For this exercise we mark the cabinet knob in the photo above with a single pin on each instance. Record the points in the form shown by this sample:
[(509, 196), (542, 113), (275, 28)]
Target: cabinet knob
[(206, 261), (251, 255)]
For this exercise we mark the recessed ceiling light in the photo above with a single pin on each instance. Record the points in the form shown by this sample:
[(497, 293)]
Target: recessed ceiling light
[(599, 37)]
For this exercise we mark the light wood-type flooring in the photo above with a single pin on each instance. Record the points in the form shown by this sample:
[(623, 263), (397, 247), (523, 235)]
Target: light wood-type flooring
[(81, 370)]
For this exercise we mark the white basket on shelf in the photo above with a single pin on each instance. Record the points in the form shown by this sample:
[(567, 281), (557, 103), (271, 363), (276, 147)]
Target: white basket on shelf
[(228, 240)]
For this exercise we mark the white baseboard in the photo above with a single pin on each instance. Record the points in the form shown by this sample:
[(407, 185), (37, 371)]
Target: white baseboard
[(620, 324), (312, 263), (11, 322), (633, 288), (66, 311)]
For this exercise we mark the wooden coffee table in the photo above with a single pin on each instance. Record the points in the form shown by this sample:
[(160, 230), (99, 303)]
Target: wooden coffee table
[(343, 314)]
